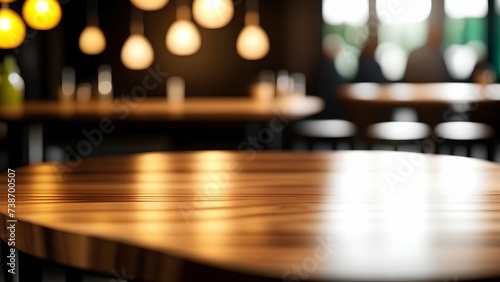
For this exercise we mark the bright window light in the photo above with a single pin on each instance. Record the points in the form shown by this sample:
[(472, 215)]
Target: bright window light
[(460, 9), (346, 61), (352, 12), (460, 61), (403, 11), (392, 59)]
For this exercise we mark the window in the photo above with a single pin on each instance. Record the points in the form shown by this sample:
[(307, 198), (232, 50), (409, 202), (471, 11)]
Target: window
[(465, 36), (345, 32), (403, 26)]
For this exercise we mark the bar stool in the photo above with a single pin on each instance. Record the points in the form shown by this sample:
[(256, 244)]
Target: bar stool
[(463, 133), (397, 133), (333, 130)]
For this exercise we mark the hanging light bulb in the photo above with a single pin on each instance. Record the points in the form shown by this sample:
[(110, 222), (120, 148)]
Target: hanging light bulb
[(253, 42), (149, 5), (183, 38), (12, 29), (137, 52), (213, 13), (92, 40), (42, 14)]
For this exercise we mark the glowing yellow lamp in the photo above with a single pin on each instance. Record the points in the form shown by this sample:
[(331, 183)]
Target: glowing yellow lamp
[(213, 13), (137, 53), (252, 43), (149, 5), (12, 29), (92, 41), (42, 14), (183, 38)]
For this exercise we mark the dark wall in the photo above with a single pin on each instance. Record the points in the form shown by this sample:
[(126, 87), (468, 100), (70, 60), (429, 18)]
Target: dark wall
[(294, 28)]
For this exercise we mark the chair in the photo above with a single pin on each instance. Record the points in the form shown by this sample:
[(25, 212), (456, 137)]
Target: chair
[(462, 133), (397, 133), (333, 130)]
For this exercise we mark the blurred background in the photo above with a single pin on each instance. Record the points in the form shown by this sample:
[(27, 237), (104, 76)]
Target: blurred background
[(331, 42)]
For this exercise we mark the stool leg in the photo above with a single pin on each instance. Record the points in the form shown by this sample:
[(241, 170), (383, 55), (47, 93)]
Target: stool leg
[(370, 146), (453, 150), (351, 144), (491, 147), (310, 145), (73, 275), (468, 148), (439, 147), (334, 146), (30, 268), (8, 277)]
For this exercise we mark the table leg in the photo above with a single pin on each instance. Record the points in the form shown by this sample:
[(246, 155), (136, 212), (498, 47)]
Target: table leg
[(30, 269), (17, 144), (73, 275), (265, 135), (35, 143), (25, 143), (6, 275), (276, 137)]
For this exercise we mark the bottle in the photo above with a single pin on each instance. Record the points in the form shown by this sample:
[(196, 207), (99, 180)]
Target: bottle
[(11, 82)]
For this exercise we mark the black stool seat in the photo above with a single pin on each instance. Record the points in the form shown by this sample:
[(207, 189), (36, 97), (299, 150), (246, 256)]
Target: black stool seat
[(468, 134), (397, 133), (333, 130)]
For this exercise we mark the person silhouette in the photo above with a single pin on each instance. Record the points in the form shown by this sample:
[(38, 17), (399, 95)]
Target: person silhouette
[(369, 69), (426, 64), (330, 78)]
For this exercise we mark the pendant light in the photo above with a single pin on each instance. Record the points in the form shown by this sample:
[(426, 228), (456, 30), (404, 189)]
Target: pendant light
[(12, 28), (149, 5), (213, 14), (137, 52), (183, 37), (253, 42), (42, 14), (92, 40)]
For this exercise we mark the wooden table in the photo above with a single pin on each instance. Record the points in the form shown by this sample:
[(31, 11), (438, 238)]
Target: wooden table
[(240, 216), (407, 94), (159, 110), (370, 102), (26, 120)]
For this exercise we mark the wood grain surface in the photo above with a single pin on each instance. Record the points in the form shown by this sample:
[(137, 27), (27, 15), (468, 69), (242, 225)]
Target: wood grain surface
[(270, 216), (158, 109)]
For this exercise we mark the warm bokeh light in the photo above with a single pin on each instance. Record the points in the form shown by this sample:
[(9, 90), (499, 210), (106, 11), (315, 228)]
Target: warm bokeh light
[(92, 40), (68, 87), (460, 9), (149, 5), (12, 29), (252, 43), (137, 52), (183, 38), (105, 81), (42, 14), (392, 59), (213, 13), (176, 89), (403, 11), (460, 61), (352, 12)]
